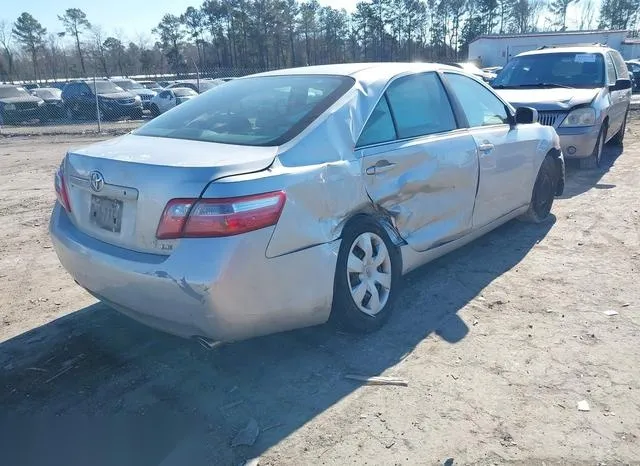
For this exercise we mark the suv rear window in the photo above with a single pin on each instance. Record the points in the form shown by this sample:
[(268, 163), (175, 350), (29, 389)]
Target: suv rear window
[(257, 111), (571, 69)]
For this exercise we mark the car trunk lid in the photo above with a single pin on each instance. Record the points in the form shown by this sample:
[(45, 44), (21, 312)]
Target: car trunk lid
[(119, 188)]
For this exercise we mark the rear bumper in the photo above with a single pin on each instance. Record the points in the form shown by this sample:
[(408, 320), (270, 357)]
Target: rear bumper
[(222, 288), (578, 142)]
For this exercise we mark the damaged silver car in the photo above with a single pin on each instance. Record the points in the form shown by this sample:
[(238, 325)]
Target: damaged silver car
[(282, 199)]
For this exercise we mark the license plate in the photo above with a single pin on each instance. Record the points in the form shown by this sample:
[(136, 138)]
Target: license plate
[(106, 213)]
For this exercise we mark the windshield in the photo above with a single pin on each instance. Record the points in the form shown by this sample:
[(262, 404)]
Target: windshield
[(48, 93), (128, 85), (8, 92), (184, 92), (259, 111), (104, 87), (150, 84), (570, 69)]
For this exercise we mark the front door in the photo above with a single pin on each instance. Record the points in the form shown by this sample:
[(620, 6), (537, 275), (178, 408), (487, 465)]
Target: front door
[(506, 154), (619, 99), (417, 164)]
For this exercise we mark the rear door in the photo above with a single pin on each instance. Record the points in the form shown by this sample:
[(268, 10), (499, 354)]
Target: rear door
[(417, 164), (506, 154)]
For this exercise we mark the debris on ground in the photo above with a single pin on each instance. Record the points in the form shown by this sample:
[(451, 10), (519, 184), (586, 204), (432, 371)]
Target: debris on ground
[(507, 440), (583, 406), (610, 313), (377, 380), (248, 435)]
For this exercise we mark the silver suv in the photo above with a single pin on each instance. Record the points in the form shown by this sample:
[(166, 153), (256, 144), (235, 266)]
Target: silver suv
[(583, 92)]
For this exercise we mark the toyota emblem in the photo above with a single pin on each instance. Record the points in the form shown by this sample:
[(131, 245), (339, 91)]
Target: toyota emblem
[(97, 180)]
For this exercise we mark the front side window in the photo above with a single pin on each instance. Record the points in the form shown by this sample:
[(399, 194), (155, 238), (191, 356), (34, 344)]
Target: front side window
[(611, 71), (564, 69), (257, 111), (420, 106), (379, 127), (480, 106), (620, 66)]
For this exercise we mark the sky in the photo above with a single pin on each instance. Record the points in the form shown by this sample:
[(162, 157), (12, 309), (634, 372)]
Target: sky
[(132, 17)]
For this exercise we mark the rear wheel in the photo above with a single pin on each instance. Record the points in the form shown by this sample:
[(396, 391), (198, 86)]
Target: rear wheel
[(618, 139), (595, 159), (367, 277), (544, 192)]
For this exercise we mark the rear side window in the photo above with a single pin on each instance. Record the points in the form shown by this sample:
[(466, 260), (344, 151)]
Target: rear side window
[(420, 106), (256, 111), (480, 106), (379, 127)]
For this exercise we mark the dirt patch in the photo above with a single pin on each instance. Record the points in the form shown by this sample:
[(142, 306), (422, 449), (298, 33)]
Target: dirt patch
[(498, 341)]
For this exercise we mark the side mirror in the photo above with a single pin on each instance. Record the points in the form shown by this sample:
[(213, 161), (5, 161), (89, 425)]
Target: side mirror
[(526, 116), (621, 85)]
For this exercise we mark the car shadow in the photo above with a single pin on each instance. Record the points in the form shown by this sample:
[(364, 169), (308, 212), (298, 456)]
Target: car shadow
[(96, 388), (579, 180)]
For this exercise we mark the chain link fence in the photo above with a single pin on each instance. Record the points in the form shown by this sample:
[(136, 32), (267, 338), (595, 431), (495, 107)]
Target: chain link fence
[(98, 104)]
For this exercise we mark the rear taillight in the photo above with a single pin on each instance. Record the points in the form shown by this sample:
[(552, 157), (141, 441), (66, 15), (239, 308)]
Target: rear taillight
[(201, 218), (61, 190)]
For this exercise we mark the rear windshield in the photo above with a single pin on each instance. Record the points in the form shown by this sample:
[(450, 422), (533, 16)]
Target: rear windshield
[(129, 85), (258, 111), (48, 93), (104, 87), (8, 92), (183, 91), (571, 69)]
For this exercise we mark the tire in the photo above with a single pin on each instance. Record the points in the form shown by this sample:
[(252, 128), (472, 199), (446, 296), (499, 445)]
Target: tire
[(618, 139), (368, 266), (544, 192), (155, 111), (595, 159)]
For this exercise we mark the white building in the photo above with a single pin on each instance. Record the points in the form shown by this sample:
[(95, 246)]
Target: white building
[(496, 50)]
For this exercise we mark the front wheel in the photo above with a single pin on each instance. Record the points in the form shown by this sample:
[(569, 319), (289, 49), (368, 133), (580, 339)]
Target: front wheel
[(367, 277), (595, 159), (544, 192)]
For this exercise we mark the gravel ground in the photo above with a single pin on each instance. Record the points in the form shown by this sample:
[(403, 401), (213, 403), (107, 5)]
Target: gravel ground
[(498, 342)]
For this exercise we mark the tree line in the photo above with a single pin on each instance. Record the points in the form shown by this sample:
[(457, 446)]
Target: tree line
[(265, 34)]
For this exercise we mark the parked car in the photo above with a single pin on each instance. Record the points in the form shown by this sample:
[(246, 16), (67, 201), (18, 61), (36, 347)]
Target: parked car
[(17, 105), (633, 66), (30, 86), (492, 69), (135, 88), (200, 86), (152, 85), (54, 106), (164, 84), (285, 197), (169, 98), (471, 68), (583, 92), (113, 102)]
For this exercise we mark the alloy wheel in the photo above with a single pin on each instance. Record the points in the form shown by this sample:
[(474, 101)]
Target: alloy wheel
[(369, 273)]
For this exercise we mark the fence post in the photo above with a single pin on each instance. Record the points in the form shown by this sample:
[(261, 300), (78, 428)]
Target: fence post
[(95, 92)]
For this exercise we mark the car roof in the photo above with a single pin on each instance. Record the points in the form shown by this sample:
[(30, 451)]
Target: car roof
[(47, 89), (362, 71), (568, 49), (4, 86)]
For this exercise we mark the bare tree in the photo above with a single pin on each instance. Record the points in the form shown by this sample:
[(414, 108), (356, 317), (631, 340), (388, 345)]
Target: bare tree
[(587, 14), (6, 37)]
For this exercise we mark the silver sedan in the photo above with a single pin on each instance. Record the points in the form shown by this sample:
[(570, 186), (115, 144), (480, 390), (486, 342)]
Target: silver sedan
[(281, 199)]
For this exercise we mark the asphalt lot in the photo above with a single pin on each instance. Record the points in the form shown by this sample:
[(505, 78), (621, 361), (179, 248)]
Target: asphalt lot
[(498, 342)]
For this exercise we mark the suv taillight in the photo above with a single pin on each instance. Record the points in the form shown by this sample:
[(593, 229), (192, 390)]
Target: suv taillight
[(202, 218), (61, 190)]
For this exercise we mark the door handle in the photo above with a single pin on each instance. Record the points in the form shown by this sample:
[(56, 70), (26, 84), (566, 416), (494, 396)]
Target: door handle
[(486, 147), (380, 167)]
